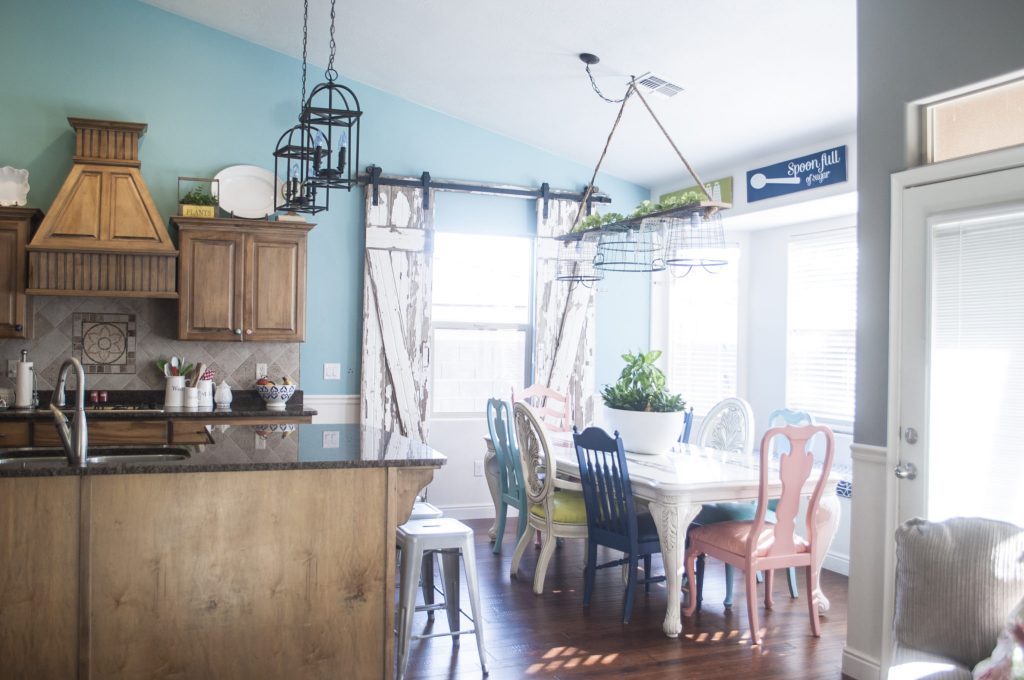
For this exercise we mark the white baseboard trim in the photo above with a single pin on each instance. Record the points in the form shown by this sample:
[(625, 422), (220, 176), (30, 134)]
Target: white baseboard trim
[(860, 666), (838, 563), (472, 511), (333, 408)]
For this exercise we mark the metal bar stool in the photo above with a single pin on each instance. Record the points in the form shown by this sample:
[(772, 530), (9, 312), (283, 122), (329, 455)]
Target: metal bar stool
[(424, 510), (451, 538)]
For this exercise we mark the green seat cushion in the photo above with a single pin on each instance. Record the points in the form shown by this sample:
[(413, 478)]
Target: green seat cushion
[(568, 508)]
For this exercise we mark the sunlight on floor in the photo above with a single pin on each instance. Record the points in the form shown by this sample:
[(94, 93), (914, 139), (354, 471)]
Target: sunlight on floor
[(569, 657)]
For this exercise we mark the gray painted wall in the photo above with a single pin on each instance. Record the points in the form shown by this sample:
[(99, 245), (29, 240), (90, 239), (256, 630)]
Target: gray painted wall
[(907, 51)]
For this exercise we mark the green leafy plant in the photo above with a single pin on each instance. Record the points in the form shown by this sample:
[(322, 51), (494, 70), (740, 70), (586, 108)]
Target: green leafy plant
[(198, 196), (641, 386), (598, 220)]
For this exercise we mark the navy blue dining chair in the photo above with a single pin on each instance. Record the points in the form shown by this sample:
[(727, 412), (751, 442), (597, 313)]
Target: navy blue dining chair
[(612, 519)]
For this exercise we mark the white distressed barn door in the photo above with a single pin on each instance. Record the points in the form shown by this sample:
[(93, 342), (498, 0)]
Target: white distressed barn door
[(396, 312), (564, 357)]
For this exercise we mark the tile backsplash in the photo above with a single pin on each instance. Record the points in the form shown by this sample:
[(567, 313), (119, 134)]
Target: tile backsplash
[(65, 325)]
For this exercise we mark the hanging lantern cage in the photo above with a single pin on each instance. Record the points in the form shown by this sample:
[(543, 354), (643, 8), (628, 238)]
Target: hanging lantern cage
[(630, 250), (694, 240), (575, 261), (332, 112), (293, 160)]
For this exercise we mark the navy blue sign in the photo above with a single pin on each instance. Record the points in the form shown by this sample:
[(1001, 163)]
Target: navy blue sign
[(798, 174)]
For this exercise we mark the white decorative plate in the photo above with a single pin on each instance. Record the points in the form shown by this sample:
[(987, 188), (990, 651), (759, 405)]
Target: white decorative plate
[(247, 191), (13, 186)]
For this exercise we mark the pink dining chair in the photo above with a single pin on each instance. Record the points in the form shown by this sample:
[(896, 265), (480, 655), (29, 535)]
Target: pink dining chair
[(551, 406), (756, 545)]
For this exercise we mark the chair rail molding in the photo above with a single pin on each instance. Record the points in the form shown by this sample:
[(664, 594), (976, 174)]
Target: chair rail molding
[(341, 409)]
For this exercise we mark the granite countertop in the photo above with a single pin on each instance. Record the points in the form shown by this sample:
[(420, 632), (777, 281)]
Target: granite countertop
[(148, 404), (281, 447)]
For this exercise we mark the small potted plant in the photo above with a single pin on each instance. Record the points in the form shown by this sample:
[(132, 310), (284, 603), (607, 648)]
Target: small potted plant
[(197, 201), (647, 416)]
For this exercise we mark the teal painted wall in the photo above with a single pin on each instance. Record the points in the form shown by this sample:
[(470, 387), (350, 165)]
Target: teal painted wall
[(212, 100)]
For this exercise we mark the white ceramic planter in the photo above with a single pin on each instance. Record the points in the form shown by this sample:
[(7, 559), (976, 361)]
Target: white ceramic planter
[(645, 431)]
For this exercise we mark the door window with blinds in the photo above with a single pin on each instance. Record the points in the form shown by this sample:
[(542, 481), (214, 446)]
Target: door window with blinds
[(482, 332), (821, 323), (703, 327), (976, 386)]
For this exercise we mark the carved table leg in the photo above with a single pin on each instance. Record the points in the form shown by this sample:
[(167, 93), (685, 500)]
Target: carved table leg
[(491, 474), (672, 521), (826, 523)]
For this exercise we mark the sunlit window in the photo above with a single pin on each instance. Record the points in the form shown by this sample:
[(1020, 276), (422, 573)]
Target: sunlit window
[(481, 319), (821, 320), (975, 122), (703, 332)]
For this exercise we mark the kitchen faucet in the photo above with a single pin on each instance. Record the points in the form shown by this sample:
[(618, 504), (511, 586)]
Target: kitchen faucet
[(75, 439)]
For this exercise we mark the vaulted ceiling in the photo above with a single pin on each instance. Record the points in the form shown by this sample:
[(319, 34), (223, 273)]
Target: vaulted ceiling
[(757, 76)]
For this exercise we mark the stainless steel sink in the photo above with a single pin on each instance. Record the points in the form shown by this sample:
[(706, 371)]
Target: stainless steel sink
[(106, 455)]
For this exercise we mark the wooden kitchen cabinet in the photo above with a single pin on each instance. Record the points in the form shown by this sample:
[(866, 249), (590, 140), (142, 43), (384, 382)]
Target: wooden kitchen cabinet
[(16, 226), (108, 433), (242, 280)]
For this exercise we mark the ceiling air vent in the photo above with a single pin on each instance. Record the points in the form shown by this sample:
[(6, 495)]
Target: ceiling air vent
[(654, 83)]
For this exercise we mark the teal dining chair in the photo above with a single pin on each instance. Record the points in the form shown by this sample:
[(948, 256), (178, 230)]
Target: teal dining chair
[(510, 477)]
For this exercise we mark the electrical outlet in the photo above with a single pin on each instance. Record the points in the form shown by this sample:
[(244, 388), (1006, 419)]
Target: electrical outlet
[(478, 468), (261, 371), (332, 439), (332, 371), (12, 368), (259, 442)]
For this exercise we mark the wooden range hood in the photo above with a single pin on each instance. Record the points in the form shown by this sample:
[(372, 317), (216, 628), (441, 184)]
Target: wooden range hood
[(103, 235)]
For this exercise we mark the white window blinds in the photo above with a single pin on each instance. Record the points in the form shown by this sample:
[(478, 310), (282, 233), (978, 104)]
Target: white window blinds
[(703, 330), (821, 320), (976, 382)]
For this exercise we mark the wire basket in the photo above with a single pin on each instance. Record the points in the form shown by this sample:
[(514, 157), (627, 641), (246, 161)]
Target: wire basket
[(697, 240), (575, 261), (631, 250)]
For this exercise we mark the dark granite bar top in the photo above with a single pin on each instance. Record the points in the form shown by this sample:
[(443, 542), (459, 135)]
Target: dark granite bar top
[(281, 447), (148, 404)]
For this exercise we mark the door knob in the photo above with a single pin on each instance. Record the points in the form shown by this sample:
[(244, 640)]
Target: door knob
[(910, 435), (248, 331), (18, 327), (238, 331), (906, 471)]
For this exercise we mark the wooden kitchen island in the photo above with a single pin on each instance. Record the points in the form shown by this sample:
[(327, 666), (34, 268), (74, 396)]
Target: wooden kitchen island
[(213, 567)]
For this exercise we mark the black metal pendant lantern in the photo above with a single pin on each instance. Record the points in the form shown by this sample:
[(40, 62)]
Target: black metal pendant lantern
[(294, 155), (332, 113), (293, 160)]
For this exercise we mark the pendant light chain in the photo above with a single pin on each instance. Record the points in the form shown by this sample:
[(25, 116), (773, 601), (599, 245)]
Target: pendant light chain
[(600, 94), (305, 40), (330, 73)]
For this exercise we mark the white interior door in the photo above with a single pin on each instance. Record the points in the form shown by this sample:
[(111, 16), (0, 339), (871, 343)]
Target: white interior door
[(957, 398)]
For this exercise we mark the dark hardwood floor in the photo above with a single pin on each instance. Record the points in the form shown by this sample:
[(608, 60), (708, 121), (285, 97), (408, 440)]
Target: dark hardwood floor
[(552, 636)]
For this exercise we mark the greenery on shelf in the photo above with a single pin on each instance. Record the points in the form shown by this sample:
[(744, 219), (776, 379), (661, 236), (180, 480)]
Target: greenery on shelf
[(641, 386), (198, 196), (596, 221)]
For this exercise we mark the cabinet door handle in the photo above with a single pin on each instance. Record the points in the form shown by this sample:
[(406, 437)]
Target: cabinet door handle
[(18, 327), (238, 331), (248, 331)]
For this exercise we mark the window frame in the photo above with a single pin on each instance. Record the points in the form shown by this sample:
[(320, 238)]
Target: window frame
[(529, 328)]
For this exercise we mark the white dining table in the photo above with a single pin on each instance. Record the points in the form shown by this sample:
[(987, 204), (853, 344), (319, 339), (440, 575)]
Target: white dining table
[(677, 483)]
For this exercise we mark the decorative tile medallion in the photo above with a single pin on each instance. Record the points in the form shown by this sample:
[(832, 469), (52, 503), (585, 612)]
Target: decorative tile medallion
[(104, 343)]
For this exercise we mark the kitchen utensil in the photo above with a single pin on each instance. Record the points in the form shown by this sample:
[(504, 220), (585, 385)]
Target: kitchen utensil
[(174, 365), (197, 374), (247, 191)]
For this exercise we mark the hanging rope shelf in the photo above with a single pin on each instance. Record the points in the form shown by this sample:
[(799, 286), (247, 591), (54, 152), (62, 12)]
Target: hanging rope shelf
[(680, 237)]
